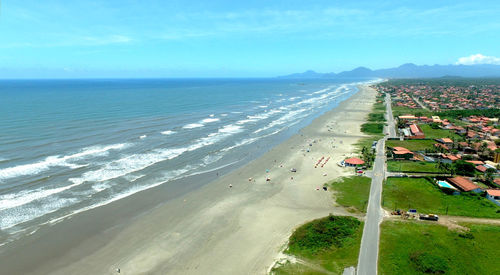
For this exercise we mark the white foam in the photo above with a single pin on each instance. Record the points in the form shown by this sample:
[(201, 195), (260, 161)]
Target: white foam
[(171, 175), (137, 162), (209, 120), (101, 186), (16, 217), (13, 200), (127, 165), (52, 161), (168, 132), (143, 136), (230, 129), (245, 121), (262, 106), (290, 116), (193, 125)]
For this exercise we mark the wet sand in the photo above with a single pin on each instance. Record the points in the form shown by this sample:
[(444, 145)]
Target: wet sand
[(209, 229)]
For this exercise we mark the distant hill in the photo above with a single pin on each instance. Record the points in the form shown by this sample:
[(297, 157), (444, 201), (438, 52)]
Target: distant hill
[(410, 70)]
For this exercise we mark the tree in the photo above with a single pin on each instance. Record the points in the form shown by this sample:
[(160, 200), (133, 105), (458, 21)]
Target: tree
[(464, 168), (489, 175)]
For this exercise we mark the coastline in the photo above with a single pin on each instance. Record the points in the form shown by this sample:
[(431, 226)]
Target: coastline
[(215, 229)]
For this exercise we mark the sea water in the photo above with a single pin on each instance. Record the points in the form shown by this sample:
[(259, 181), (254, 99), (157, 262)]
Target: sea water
[(67, 146)]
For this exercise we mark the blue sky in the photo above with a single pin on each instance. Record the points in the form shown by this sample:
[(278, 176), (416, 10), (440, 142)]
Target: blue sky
[(239, 38)]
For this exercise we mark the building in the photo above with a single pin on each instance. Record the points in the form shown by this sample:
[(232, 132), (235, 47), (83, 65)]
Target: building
[(353, 162), (464, 184), (493, 195), (436, 119), (416, 132), (445, 141), (400, 153)]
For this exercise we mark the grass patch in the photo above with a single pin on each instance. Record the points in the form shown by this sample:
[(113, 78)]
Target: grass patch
[(379, 107), (412, 145), (352, 192), (376, 117), (438, 133), (420, 248), (328, 244), (401, 110), (413, 166), (366, 142), (372, 128), (424, 196)]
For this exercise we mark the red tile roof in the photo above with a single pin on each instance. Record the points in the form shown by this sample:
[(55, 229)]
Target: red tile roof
[(354, 161), (481, 168), (463, 183), (493, 192)]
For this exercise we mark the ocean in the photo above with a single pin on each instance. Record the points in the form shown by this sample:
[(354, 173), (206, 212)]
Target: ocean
[(68, 146)]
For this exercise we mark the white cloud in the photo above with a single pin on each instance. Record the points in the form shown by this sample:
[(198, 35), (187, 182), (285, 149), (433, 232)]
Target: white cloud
[(478, 59)]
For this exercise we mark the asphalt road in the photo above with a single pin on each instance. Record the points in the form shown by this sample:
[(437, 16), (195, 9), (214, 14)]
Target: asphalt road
[(368, 254), (390, 118)]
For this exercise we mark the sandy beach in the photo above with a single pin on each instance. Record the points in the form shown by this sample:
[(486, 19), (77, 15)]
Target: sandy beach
[(218, 229)]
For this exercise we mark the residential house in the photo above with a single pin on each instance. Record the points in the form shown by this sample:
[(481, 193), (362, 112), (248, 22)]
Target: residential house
[(493, 195), (464, 184)]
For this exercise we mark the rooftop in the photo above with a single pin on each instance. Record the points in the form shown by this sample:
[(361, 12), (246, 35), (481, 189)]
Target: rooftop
[(463, 183)]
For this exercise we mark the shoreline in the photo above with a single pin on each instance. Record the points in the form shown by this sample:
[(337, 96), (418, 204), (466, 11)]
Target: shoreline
[(210, 228)]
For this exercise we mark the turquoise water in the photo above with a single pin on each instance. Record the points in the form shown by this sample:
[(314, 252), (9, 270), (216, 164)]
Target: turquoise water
[(445, 184), (67, 146)]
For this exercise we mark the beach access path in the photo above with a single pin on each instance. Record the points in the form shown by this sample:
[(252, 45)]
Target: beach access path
[(368, 254)]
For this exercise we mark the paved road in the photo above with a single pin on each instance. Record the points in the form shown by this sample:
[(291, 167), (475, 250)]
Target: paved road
[(420, 103), (389, 117), (368, 254)]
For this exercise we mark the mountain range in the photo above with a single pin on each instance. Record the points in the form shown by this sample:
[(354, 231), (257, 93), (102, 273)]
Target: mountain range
[(410, 70)]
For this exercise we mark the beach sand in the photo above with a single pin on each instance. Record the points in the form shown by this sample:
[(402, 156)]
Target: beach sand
[(217, 229)]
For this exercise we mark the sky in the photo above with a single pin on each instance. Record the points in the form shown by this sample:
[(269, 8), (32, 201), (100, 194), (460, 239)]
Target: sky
[(170, 38)]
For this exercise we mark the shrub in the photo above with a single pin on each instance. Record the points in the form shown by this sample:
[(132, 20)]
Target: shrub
[(322, 234), (428, 263)]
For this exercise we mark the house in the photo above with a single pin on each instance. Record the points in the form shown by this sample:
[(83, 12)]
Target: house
[(407, 117), (353, 162), (402, 153), (475, 162), (416, 132), (464, 184), (481, 168), (445, 141), (493, 195), (436, 119)]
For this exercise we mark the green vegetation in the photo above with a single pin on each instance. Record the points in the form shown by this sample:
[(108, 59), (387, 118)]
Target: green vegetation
[(410, 247), (352, 192), (412, 145), (413, 166), (438, 133), (467, 113), (372, 128), (401, 110), (379, 107), (426, 197), (443, 81), (376, 117), (323, 246), (366, 142)]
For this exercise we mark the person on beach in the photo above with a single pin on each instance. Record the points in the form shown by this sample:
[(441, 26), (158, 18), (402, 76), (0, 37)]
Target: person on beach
[(230, 185)]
